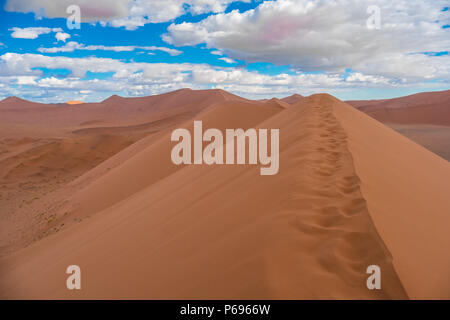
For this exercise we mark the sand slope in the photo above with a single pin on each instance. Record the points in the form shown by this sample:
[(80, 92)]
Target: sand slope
[(434, 138), (406, 188), (153, 163), (43, 148)]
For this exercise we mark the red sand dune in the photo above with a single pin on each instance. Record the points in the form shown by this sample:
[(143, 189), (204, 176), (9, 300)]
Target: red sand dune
[(44, 147), (420, 108), (114, 111), (15, 103), (292, 99), (350, 193), (422, 117)]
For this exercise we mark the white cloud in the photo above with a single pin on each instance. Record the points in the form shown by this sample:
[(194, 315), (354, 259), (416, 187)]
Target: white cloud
[(130, 23), (62, 36), (330, 36), (72, 46), (91, 11), (141, 12), (361, 78), (26, 80), (134, 79), (32, 32), (130, 14), (227, 60), (320, 35)]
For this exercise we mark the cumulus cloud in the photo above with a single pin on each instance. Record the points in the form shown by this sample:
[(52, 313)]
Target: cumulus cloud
[(328, 35), (62, 36), (72, 46), (141, 12), (91, 11), (26, 80), (135, 79), (227, 60), (130, 14), (32, 32)]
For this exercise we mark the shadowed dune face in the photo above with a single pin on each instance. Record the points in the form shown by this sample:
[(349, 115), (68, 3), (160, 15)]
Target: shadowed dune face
[(225, 232), (422, 117)]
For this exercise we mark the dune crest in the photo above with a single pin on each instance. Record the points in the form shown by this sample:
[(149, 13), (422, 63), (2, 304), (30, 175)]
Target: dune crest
[(292, 99)]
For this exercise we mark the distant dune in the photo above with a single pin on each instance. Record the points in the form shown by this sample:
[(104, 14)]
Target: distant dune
[(422, 117), (421, 108), (16, 103), (98, 189), (292, 99)]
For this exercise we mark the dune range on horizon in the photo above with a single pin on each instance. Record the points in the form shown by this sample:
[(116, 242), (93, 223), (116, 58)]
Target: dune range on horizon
[(93, 184)]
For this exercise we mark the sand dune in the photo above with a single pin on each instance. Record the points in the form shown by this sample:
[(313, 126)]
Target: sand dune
[(45, 147), (16, 103), (422, 117), (153, 163), (114, 111), (292, 99), (350, 193), (422, 108)]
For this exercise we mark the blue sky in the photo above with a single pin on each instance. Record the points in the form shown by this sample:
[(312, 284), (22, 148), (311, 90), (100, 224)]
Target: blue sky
[(256, 49)]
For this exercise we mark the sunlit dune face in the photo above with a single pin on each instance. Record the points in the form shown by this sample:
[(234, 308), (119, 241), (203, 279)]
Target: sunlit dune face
[(74, 102)]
